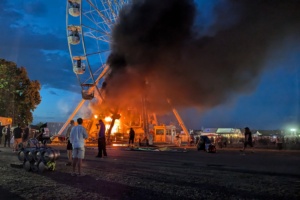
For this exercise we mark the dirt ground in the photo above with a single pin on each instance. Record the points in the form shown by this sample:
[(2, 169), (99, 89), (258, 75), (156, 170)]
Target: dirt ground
[(169, 174)]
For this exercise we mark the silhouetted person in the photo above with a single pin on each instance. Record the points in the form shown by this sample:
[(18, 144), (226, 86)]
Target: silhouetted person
[(192, 140), (248, 138), (131, 137), (101, 140), (26, 133), (17, 137), (1, 134), (69, 145), (7, 133)]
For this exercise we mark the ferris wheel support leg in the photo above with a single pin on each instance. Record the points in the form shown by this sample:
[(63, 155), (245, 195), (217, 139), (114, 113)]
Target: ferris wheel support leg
[(71, 117), (180, 121)]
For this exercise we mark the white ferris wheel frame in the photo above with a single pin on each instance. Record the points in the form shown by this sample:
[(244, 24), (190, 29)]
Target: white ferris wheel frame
[(101, 15)]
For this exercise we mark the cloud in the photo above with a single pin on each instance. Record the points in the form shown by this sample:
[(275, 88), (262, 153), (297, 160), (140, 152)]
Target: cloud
[(35, 41), (52, 92), (158, 53)]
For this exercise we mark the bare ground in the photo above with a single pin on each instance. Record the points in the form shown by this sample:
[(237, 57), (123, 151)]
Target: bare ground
[(266, 174)]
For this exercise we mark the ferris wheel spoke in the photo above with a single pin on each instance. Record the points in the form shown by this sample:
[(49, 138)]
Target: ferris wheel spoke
[(101, 25), (107, 20), (109, 2), (89, 23), (99, 73), (105, 33), (119, 4), (97, 52), (122, 2), (101, 38)]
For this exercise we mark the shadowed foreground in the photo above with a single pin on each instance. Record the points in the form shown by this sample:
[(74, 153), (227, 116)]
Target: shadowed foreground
[(228, 174)]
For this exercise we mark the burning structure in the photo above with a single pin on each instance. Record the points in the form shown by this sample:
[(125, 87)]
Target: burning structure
[(160, 50)]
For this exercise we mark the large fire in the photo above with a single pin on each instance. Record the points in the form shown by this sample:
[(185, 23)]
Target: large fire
[(92, 126), (117, 125)]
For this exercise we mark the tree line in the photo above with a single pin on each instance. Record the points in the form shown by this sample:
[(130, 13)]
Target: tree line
[(19, 96)]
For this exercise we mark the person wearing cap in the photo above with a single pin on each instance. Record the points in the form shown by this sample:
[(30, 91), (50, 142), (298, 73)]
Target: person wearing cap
[(69, 145), (248, 139), (101, 140)]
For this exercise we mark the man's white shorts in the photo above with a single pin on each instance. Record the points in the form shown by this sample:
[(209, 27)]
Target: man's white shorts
[(78, 153)]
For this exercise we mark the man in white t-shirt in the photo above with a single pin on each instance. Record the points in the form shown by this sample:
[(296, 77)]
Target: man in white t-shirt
[(77, 136)]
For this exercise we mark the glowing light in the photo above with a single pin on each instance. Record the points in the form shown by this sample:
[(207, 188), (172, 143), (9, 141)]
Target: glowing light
[(108, 119), (118, 145), (96, 116), (115, 128), (293, 129)]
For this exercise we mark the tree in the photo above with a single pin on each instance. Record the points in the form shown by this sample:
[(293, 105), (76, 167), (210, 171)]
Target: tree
[(19, 96)]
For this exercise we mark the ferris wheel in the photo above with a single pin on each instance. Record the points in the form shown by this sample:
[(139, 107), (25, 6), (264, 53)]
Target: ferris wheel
[(89, 24)]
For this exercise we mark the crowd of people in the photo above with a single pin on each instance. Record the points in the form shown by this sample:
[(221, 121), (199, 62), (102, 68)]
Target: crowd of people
[(77, 134), (13, 136)]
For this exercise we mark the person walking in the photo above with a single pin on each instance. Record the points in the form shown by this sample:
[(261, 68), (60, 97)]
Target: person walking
[(131, 137), (101, 140), (7, 133), (17, 137), (77, 136), (69, 145), (248, 139)]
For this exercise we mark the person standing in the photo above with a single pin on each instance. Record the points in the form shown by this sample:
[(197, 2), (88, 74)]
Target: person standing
[(1, 134), (77, 136), (131, 137), (248, 139), (17, 137), (7, 133), (69, 145), (45, 135), (26, 133), (101, 140)]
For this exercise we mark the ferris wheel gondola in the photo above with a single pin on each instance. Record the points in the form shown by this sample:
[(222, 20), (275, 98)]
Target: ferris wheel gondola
[(78, 65), (89, 24)]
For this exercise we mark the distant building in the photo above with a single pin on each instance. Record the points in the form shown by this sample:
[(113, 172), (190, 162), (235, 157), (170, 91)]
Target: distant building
[(210, 132), (269, 133), (227, 132)]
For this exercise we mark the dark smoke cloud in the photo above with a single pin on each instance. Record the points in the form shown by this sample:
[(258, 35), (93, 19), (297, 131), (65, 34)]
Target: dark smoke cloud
[(158, 51)]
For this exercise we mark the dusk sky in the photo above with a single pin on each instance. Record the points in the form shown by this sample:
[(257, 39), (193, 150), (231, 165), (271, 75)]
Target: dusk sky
[(33, 35)]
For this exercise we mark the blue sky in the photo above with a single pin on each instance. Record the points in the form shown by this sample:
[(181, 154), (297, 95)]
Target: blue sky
[(33, 35)]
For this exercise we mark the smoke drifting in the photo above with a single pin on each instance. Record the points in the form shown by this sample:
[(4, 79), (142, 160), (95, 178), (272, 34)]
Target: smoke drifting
[(157, 50)]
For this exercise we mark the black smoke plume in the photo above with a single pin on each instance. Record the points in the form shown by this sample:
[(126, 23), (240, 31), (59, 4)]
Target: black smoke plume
[(158, 50)]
